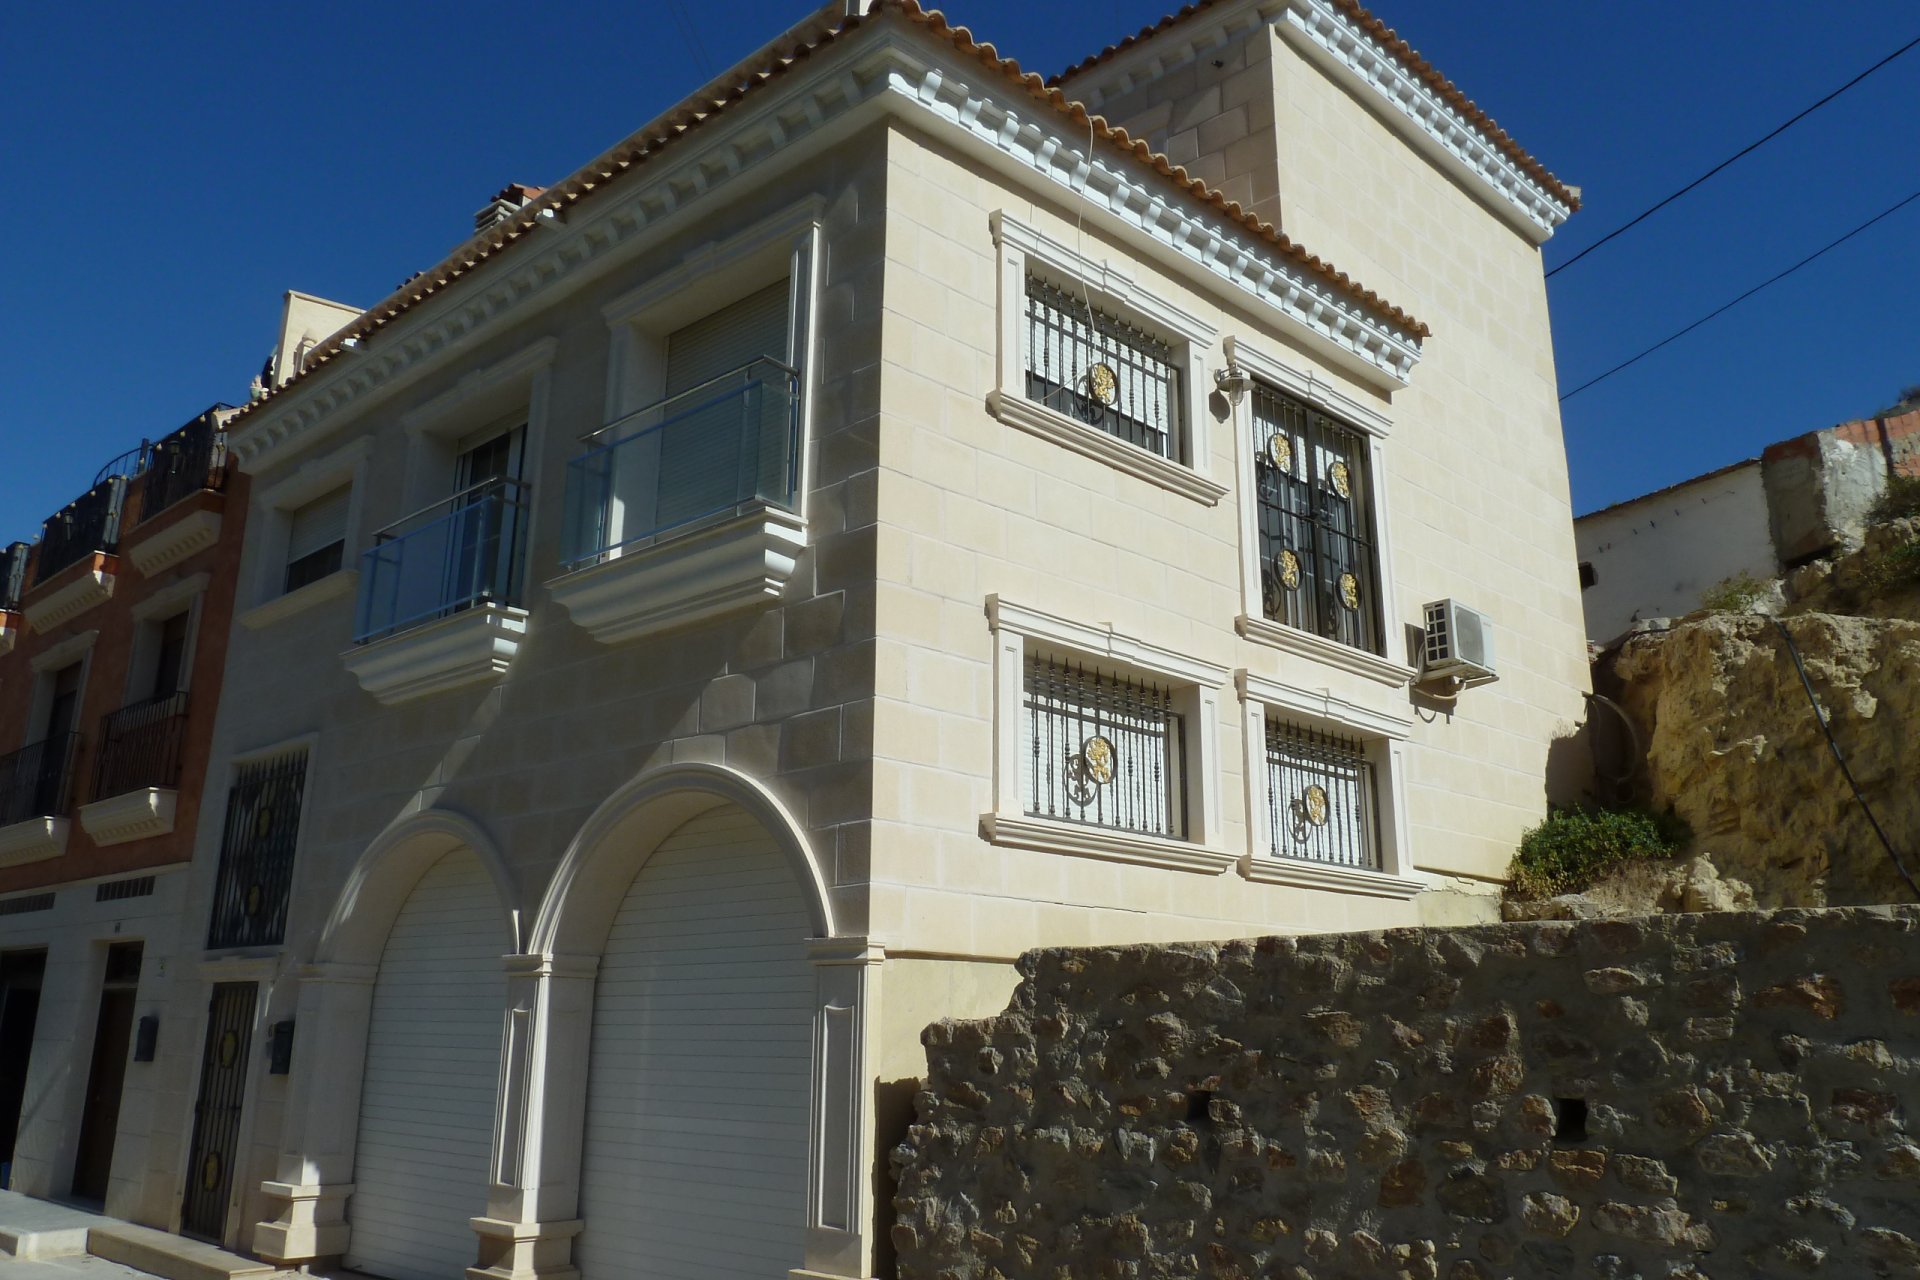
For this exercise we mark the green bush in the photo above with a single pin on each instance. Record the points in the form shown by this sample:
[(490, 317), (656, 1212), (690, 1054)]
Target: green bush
[(1894, 569), (1901, 499), (1738, 594), (1573, 847)]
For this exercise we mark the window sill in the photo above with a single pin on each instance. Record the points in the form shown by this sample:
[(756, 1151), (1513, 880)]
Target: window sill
[(1048, 424), (341, 582), (1329, 652), (34, 840), (1304, 874), (1049, 836)]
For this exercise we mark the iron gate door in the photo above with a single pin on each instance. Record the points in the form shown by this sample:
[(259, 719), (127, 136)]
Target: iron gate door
[(216, 1115)]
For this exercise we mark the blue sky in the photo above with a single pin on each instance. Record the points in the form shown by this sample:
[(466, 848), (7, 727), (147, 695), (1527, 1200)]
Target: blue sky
[(174, 168)]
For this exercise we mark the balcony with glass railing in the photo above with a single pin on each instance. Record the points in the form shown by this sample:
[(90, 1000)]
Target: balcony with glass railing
[(439, 602), (686, 509)]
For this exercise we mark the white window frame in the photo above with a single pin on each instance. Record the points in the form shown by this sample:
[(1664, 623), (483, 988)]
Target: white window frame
[(1023, 250), (494, 398), (1384, 738), (1389, 668), (185, 596), (272, 522), (1018, 631), (711, 276), (47, 664)]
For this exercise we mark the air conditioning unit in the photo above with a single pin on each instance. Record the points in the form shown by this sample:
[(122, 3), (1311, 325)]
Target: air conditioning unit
[(1459, 644)]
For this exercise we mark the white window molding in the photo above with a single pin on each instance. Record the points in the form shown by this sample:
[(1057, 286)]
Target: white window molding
[(271, 523), (1018, 631), (1384, 737), (185, 596), (491, 399), (1022, 251), (1389, 668), (63, 653)]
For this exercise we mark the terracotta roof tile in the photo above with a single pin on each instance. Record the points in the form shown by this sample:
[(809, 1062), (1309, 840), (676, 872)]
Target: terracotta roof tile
[(1409, 58), (662, 134)]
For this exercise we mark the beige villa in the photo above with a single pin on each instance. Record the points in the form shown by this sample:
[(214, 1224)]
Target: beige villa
[(888, 513)]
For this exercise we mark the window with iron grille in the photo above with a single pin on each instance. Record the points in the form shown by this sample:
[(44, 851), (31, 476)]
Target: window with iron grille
[(1321, 799), (1319, 568), (1102, 749), (1101, 370), (256, 853)]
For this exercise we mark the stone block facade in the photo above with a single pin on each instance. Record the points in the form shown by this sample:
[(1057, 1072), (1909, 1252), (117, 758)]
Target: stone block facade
[(1683, 1096)]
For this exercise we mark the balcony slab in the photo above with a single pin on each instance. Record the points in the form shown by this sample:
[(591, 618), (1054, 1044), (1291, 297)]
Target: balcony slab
[(168, 545), (740, 564), (91, 586), (137, 815), (9, 630), (34, 840), (471, 647)]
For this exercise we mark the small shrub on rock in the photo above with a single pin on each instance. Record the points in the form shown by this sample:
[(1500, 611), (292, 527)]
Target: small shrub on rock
[(1894, 569), (1900, 500), (1738, 594), (1573, 847)]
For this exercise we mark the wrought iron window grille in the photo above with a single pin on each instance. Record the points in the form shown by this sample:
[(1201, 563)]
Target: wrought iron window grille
[(1103, 749), (1322, 804), (257, 852), (1319, 567), (1097, 368)]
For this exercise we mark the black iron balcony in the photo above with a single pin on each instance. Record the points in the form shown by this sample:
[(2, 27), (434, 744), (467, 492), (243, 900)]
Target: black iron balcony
[(88, 524), (185, 462), (460, 552), (140, 746), (35, 780), (13, 574)]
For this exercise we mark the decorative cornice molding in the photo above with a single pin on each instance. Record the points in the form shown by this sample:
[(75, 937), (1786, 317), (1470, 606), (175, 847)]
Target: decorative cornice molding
[(94, 585), (1321, 704), (1333, 39), (34, 840), (134, 815), (169, 545), (893, 74), (1308, 384), (62, 652), (473, 646), (1112, 279), (1102, 642), (1330, 652)]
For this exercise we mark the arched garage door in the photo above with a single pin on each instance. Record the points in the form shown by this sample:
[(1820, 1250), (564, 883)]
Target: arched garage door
[(697, 1086), (433, 1060)]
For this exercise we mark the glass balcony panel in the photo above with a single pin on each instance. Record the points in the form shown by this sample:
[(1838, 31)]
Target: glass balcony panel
[(704, 454), (456, 554)]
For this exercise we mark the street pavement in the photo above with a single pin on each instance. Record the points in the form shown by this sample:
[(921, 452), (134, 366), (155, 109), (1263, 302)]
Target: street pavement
[(83, 1267)]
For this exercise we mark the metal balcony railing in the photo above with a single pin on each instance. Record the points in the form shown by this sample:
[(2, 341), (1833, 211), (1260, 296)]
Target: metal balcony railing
[(185, 462), (714, 450), (461, 551), (88, 524), (140, 746), (35, 780)]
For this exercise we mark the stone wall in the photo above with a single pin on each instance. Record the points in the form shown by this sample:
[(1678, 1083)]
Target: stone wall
[(1684, 1096)]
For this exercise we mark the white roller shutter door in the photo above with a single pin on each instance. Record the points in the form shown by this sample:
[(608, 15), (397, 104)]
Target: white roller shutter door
[(427, 1100), (733, 336), (697, 1086)]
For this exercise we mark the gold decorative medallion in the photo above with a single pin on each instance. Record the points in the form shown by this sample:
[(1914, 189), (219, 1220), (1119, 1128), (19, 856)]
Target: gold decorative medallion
[(255, 899), (1350, 591), (1098, 752), (1341, 480), (210, 1172), (1103, 384), (1280, 451), (229, 1048), (262, 822), (1313, 805), (1287, 566)]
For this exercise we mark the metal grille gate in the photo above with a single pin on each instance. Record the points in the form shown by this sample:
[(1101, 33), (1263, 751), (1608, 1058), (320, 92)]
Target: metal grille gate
[(256, 854), (216, 1113)]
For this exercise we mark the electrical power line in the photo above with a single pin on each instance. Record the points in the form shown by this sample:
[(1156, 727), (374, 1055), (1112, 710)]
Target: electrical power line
[(1770, 136), (1770, 280)]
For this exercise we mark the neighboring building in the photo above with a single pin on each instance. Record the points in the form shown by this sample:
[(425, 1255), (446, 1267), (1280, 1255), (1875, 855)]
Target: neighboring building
[(113, 635), (873, 521), (1801, 499)]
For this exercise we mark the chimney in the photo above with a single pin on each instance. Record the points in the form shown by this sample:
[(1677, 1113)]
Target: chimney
[(511, 198)]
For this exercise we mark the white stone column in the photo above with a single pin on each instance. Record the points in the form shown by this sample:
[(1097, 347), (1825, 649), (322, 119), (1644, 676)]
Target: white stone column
[(533, 1204), (315, 1174), (840, 1147)]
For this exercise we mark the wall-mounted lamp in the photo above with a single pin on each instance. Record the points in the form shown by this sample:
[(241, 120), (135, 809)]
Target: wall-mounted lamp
[(280, 1048), (1232, 382), (146, 1038)]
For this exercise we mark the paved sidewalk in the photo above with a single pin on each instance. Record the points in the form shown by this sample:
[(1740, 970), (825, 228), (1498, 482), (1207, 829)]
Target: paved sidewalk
[(83, 1267)]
